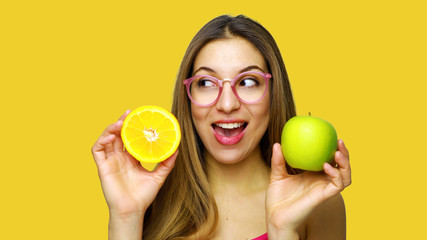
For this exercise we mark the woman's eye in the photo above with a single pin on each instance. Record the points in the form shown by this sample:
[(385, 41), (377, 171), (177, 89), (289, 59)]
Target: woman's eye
[(248, 82), (206, 83)]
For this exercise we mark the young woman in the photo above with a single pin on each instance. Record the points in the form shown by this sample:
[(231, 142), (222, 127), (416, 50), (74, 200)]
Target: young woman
[(228, 179)]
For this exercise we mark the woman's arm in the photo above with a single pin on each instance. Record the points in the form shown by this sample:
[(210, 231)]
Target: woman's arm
[(129, 227), (292, 199), (128, 188)]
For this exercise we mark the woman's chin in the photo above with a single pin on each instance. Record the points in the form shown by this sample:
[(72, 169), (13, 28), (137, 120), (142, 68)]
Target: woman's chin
[(226, 157)]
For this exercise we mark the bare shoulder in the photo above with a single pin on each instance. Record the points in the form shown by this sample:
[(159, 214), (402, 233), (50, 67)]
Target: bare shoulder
[(328, 220)]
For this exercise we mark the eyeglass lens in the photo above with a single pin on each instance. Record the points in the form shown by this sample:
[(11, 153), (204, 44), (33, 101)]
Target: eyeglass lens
[(249, 87)]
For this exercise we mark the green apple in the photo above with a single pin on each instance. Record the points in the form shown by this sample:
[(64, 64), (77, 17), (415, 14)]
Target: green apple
[(308, 142)]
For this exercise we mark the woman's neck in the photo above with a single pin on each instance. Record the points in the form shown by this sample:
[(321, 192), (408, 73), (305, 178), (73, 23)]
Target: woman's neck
[(248, 176)]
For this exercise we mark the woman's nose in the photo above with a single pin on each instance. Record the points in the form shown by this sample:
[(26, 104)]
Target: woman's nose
[(227, 102)]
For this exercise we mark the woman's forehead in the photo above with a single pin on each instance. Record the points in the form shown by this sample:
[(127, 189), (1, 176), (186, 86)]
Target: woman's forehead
[(229, 56)]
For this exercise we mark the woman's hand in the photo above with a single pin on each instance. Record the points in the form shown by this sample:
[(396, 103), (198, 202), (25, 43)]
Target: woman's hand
[(291, 198), (128, 188)]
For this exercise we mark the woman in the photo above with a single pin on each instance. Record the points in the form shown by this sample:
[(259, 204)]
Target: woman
[(229, 179)]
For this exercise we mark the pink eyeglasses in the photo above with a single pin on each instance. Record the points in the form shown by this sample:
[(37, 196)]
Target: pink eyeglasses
[(249, 87)]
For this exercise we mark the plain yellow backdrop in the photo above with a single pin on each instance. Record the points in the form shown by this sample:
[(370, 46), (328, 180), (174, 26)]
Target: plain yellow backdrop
[(70, 68)]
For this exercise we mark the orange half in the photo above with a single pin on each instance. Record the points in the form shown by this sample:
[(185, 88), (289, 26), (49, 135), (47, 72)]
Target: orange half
[(151, 134)]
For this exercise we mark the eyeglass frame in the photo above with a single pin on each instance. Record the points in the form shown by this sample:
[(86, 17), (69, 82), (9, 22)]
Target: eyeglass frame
[(187, 82)]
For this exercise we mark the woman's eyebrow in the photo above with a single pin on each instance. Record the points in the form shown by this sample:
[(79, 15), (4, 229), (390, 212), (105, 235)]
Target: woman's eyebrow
[(248, 68), (204, 68), (251, 67)]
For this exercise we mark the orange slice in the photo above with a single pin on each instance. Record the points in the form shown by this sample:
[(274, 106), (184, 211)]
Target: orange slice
[(151, 134)]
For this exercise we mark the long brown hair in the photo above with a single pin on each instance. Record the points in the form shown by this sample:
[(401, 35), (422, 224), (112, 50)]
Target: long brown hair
[(185, 206)]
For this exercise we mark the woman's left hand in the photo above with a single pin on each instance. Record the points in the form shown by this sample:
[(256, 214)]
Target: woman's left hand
[(291, 198)]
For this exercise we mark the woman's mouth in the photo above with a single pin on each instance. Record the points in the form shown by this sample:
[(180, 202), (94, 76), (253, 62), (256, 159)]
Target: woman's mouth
[(229, 133)]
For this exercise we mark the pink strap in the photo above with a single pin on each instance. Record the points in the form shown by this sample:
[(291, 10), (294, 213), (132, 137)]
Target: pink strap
[(262, 237)]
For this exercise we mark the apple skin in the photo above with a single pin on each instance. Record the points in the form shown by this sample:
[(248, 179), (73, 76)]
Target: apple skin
[(308, 142)]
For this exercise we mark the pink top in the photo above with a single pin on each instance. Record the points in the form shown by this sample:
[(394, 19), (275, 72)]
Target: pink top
[(262, 237)]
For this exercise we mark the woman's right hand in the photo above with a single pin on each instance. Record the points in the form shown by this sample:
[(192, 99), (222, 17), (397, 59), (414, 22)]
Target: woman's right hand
[(128, 188)]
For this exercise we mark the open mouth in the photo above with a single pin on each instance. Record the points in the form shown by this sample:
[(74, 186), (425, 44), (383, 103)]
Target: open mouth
[(229, 129), (229, 133)]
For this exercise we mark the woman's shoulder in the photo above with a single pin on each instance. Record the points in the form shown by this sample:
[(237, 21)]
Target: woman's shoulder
[(331, 207), (328, 219)]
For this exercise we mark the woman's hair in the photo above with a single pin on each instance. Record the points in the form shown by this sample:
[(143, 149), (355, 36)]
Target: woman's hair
[(185, 205)]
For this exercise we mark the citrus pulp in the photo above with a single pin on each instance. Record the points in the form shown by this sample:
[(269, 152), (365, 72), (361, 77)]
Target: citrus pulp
[(151, 134)]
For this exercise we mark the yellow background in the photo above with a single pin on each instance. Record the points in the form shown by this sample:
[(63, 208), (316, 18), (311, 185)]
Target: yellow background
[(70, 68)]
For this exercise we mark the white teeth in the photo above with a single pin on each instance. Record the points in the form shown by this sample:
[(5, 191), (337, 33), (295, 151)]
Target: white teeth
[(229, 125)]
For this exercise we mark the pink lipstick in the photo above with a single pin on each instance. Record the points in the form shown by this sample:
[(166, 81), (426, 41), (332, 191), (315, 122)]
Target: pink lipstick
[(229, 132)]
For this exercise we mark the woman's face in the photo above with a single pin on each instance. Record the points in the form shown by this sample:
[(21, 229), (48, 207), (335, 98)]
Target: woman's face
[(230, 130)]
